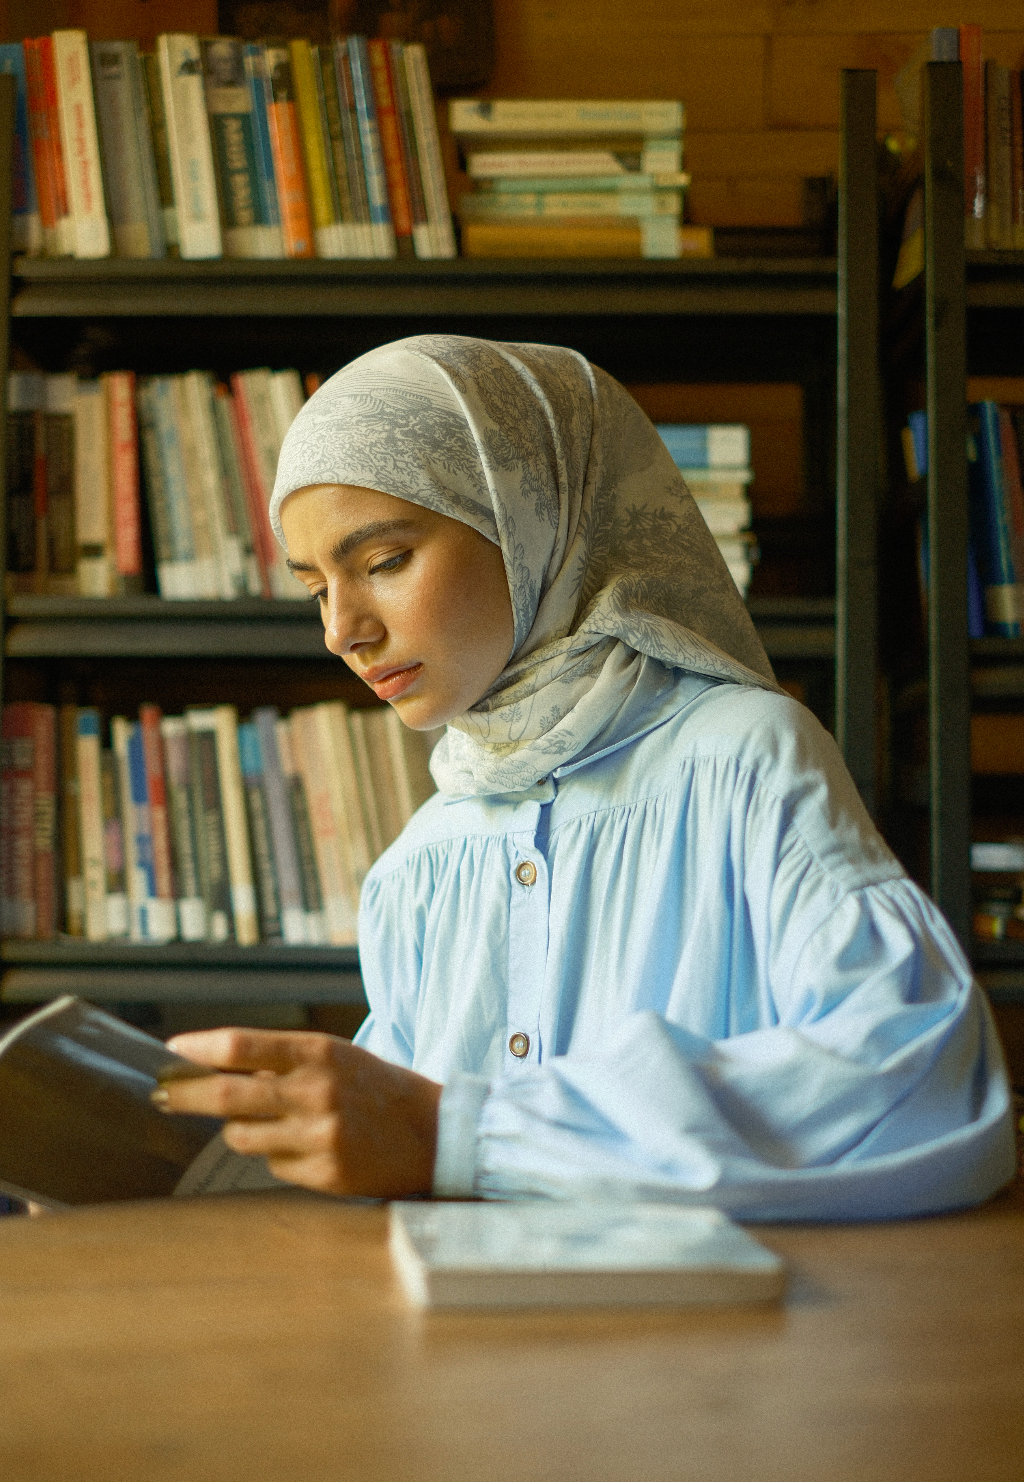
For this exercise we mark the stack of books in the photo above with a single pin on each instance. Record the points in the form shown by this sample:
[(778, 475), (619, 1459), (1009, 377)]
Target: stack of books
[(213, 146), (714, 459), (573, 179), (997, 880), (209, 457), (197, 827)]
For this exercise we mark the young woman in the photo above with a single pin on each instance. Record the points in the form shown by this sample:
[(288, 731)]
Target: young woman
[(645, 941)]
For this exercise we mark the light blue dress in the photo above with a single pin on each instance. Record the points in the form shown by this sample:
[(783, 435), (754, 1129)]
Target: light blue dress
[(727, 989)]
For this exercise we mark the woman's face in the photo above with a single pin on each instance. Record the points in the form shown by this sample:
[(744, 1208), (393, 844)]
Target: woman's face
[(415, 603)]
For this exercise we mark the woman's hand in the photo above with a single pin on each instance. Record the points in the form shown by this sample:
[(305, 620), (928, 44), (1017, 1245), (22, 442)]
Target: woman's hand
[(322, 1112)]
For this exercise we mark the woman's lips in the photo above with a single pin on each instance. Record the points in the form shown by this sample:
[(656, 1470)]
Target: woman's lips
[(389, 685)]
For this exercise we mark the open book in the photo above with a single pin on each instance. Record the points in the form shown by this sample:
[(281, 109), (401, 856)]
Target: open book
[(77, 1125), (549, 1253)]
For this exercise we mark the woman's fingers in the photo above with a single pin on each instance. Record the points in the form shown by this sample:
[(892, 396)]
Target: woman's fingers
[(279, 1050), (224, 1096)]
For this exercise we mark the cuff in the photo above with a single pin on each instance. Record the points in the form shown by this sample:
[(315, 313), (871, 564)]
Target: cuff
[(455, 1164)]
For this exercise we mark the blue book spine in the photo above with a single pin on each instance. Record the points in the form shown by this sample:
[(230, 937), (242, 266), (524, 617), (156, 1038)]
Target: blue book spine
[(143, 827), (27, 230), (990, 527), (173, 466), (687, 445), (262, 96), (975, 597), (918, 424), (369, 133)]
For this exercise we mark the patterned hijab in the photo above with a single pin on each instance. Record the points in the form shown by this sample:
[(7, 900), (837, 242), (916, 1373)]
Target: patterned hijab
[(609, 562)]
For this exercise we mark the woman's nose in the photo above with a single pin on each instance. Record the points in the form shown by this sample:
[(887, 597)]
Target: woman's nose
[(347, 627)]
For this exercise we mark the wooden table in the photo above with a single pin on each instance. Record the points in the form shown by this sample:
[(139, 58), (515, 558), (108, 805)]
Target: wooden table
[(265, 1338)]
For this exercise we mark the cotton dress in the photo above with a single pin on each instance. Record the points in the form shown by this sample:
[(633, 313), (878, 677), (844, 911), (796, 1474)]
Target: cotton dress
[(722, 986)]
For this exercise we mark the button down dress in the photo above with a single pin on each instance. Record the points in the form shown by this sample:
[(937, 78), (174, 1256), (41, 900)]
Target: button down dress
[(685, 966)]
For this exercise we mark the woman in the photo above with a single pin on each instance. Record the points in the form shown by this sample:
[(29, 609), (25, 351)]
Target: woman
[(645, 941)]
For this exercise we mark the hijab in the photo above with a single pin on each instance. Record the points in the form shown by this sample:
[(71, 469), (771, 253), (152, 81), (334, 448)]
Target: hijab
[(609, 562)]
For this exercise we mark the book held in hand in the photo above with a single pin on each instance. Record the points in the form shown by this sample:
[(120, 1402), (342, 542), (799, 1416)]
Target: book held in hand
[(546, 1253)]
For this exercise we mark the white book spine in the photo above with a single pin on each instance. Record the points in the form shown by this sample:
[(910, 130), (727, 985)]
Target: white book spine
[(569, 116), (236, 828), (188, 134), (80, 144), (334, 866), (135, 885), (435, 189), (344, 782), (269, 405), (207, 555), (90, 813), (196, 405)]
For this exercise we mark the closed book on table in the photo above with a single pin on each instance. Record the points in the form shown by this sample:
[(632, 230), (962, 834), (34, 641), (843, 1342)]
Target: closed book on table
[(26, 225), (126, 143), (245, 228), (191, 154), (80, 144)]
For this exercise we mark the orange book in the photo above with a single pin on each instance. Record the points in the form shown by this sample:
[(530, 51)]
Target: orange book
[(391, 144), (286, 148), (126, 514), (975, 199), (47, 155)]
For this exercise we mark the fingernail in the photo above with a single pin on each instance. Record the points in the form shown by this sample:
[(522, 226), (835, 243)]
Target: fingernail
[(159, 1098)]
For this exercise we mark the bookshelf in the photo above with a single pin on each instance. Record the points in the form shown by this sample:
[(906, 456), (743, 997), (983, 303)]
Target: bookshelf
[(734, 319)]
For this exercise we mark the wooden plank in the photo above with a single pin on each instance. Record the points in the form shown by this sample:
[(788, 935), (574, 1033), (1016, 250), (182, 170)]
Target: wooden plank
[(997, 744), (762, 152), (857, 436), (531, 26), (949, 697), (836, 17), (745, 200)]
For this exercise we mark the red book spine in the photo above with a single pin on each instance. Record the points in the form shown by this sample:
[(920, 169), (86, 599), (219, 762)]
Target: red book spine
[(974, 134), (17, 729), (44, 129), (390, 138), (44, 818), (156, 786), (264, 539), (123, 435)]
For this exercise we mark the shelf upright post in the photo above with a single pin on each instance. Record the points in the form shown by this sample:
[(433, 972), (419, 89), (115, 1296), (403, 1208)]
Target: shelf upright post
[(8, 97), (857, 433), (949, 693)]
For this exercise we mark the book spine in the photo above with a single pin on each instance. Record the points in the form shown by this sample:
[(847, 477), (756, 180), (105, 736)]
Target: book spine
[(286, 144), (18, 738), (975, 203), (236, 835), (158, 922), (124, 149), (261, 96), (333, 867), (250, 758), (62, 545), (281, 827), (44, 819), (305, 850), (25, 392), (64, 228), (990, 525), (142, 119), (191, 905), (172, 577), (421, 100), (373, 156), (383, 788), (539, 118), (999, 217), (391, 144), (199, 440), (209, 574), (343, 780), (113, 850), (80, 144), (233, 475), (134, 879), (365, 239), (125, 519), (261, 438), (330, 112), (70, 832), (162, 908), (187, 577), (92, 502), (157, 117), (365, 782), (26, 227), (90, 813), (264, 540), (1014, 497), (553, 204), (422, 236), (245, 232), (328, 232), (287, 400), (211, 846), (188, 136)]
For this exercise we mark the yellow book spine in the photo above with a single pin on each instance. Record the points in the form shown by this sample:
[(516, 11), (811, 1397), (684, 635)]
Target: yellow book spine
[(313, 148)]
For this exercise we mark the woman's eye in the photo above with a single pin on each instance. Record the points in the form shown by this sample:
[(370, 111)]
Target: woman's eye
[(318, 596), (391, 564)]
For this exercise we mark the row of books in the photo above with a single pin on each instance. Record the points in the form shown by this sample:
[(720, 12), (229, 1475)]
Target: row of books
[(993, 146), (997, 886), (209, 457), (213, 146), (714, 459), (996, 497), (197, 826), (582, 178)]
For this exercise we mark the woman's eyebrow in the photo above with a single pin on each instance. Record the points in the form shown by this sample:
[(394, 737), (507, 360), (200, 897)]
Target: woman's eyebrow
[(355, 538)]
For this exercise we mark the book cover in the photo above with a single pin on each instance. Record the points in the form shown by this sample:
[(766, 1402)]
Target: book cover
[(286, 144), (421, 100), (191, 905), (551, 1253), (237, 504), (134, 875), (390, 136), (61, 555), (990, 526), (17, 736), (125, 518), (258, 814), (373, 723), (25, 398), (423, 238), (211, 847), (553, 163), (354, 161), (333, 865), (245, 227), (527, 116), (260, 405), (173, 575), (26, 226), (355, 216), (191, 154), (496, 206), (221, 721), (80, 144), (218, 558), (281, 828), (312, 896), (999, 157), (254, 60), (564, 239), (126, 146), (344, 784), (706, 445), (70, 833), (44, 819), (369, 137), (47, 153), (92, 492), (191, 576), (157, 119), (162, 908), (329, 231), (366, 782), (90, 814), (113, 849), (155, 921), (628, 180), (975, 202)]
